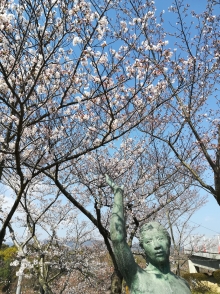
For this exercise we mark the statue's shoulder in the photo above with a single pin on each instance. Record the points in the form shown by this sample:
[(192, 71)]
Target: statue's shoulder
[(181, 281), (143, 282)]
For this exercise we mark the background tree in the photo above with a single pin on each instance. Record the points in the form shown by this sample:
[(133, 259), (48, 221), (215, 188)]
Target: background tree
[(72, 81), (78, 79), (189, 122), (80, 75), (54, 245), (180, 229), (152, 185)]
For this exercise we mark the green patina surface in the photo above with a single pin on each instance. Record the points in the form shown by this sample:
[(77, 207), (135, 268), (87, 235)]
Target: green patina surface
[(155, 240)]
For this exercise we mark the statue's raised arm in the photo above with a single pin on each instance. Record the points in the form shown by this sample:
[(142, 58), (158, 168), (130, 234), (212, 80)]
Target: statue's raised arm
[(123, 254), (155, 241)]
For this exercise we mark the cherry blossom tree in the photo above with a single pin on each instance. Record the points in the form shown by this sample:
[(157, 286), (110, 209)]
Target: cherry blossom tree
[(178, 223), (74, 76), (189, 122), (153, 185), (94, 87), (54, 245)]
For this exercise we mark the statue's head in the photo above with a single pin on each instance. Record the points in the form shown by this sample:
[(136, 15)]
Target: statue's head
[(155, 240)]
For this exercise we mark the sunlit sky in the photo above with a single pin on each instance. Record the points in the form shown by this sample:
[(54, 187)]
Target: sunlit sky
[(208, 217)]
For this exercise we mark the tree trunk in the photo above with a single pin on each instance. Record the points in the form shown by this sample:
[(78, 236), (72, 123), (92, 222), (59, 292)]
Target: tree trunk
[(41, 290), (178, 268), (20, 277), (44, 287), (116, 283), (18, 289)]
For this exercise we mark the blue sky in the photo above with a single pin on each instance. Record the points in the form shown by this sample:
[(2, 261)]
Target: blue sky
[(197, 5), (208, 216)]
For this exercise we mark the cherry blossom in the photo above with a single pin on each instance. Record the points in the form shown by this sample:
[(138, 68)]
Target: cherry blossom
[(89, 88)]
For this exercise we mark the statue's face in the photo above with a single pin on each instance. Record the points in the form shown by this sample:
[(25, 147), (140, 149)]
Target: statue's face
[(156, 246)]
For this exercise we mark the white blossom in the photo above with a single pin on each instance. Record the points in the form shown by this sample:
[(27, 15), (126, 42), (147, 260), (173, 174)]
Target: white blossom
[(77, 40)]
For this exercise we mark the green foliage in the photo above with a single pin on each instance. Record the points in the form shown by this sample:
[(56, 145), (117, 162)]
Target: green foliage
[(7, 253), (216, 275), (207, 292), (195, 276), (7, 273), (195, 282)]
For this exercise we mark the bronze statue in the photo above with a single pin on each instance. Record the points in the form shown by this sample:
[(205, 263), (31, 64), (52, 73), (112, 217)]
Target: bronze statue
[(156, 278)]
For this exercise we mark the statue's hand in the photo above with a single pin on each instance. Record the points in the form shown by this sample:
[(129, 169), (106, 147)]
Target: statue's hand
[(111, 183)]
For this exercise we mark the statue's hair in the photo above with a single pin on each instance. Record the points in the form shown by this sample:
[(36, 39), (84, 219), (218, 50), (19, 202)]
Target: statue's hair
[(150, 226)]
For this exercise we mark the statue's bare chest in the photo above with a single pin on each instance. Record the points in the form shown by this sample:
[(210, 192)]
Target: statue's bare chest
[(144, 283)]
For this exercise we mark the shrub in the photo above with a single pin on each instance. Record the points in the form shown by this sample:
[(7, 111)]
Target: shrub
[(216, 275), (195, 282), (195, 276), (7, 273)]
